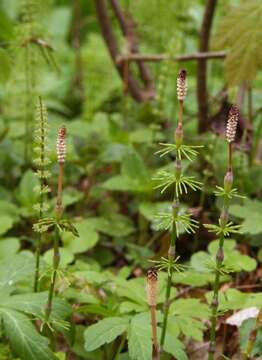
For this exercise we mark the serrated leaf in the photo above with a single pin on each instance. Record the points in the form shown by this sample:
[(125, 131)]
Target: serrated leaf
[(187, 307), (25, 342), (104, 332), (174, 347), (35, 304), (15, 269), (139, 338), (240, 32)]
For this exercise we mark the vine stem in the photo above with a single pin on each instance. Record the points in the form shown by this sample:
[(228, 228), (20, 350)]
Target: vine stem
[(252, 337)]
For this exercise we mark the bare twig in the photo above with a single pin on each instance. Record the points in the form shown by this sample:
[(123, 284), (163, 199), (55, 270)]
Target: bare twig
[(163, 57)]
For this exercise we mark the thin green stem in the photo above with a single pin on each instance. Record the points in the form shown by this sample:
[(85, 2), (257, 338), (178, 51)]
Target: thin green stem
[(219, 262), (56, 260), (214, 303), (171, 255), (37, 262), (56, 255)]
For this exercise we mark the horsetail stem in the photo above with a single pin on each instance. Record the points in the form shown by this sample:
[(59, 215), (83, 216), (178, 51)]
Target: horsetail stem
[(223, 219), (61, 155), (181, 95), (41, 162), (152, 302)]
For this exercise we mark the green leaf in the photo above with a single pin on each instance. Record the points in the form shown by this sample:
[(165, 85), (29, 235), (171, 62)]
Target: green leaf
[(88, 237), (8, 247), (244, 332), (187, 307), (193, 278), (150, 209), (133, 166), (26, 196), (240, 32), (251, 212), (104, 332), (139, 338), (6, 223), (18, 267), (25, 342), (116, 225), (5, 65), (35, 304), (174, 347)]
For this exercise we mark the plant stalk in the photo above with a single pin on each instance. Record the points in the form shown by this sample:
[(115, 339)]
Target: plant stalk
[(41, 202), (155, 350), (56, 255), (171, 256), (219, 260), (214, 303)]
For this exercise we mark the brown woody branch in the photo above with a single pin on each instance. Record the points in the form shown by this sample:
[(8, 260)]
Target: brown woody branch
[(136, 91), (163, 57), (202, 65)]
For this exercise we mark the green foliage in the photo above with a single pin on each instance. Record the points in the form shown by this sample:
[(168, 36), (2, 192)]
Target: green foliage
[(55, 49), (250, 211), (104, 331), (25, 341), (240, 32)]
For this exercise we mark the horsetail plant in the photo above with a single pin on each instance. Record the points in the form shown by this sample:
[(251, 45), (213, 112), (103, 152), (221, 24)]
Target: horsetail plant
[(176, 219), (41, 161), (225, 227), (57, 224), (151, 291), (61, 155)]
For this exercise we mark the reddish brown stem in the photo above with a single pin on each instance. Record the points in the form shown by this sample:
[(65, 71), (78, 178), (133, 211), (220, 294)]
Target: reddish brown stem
[(155, 349), (59, 190), (230, 150), (180, 111)]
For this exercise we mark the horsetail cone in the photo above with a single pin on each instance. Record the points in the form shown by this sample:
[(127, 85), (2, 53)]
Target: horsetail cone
[(61, 145), (151, 288), (181, 85), (232, 124)]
